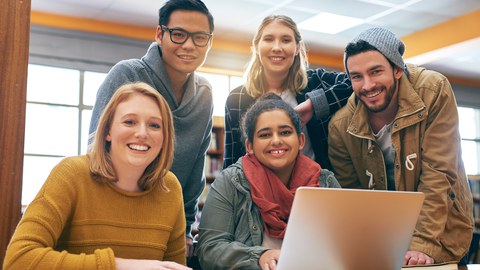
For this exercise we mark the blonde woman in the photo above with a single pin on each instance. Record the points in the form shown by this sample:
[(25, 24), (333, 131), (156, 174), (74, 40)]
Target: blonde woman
[(279, 65), (117, 207)]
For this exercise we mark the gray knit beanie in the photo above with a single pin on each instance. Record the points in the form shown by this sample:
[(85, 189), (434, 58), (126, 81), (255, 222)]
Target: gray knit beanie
[(385, 42)]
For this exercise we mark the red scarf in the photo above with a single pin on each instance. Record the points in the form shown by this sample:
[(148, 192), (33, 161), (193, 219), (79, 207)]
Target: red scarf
[(272, 197)]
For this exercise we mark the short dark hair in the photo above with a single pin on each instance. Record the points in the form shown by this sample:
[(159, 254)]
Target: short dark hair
[(194, 5), (361, 46), (266, 103)]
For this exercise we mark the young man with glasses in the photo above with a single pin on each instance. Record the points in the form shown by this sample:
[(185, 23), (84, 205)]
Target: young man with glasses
[(182, 41)]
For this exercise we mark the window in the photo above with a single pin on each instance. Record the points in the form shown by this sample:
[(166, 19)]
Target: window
[(59, 108), (470, 133), (221, 86), (59, 104)]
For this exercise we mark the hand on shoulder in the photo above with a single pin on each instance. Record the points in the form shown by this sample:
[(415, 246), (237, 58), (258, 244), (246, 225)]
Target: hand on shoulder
[(305, 110)]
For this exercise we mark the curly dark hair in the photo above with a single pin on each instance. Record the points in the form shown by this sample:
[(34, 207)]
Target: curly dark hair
[(266, 103)]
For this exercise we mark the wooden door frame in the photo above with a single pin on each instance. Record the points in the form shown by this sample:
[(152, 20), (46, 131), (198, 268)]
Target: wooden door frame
[(14, 47)]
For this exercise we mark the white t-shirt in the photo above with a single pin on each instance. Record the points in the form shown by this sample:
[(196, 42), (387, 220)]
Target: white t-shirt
[(384, 140)]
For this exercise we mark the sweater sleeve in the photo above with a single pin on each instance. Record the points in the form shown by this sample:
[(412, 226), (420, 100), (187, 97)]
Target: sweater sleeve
[(217, 246), (33, 243), (329, 91)]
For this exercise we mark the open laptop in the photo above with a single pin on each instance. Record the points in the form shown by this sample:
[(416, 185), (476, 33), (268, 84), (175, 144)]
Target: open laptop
[(346, 229)]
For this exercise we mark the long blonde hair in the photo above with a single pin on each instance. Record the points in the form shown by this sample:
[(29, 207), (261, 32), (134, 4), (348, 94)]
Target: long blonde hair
[(100, 161), (296, 79)]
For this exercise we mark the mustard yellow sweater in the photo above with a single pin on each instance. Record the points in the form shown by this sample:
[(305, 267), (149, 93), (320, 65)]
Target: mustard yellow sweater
[(78, 223)]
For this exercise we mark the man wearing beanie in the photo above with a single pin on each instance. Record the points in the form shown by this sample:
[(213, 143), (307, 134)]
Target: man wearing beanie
[(399, 131)]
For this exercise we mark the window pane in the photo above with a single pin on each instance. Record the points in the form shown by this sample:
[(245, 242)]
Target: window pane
[(470, 156), (53, 85), (470, 130), (91, 83), (467, 120), (236, 81), (219, 90), (51, 130), (35, 172), (86, 116)]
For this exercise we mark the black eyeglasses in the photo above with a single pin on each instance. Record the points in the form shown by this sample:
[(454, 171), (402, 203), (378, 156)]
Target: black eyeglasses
[(180, 36)]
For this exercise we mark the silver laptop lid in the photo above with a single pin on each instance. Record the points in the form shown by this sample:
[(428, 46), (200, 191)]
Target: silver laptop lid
[(346, 229)]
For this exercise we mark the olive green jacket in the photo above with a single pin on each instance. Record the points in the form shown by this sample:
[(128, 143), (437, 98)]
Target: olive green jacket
[(425, 135), (231, 228)]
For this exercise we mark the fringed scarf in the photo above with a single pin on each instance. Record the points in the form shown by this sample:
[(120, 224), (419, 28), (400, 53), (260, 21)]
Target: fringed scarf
[(272, 197)]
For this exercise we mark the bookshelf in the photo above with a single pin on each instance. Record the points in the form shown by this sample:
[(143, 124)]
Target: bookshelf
[(474, 181), (475, 187), (214, 157), (213, 163)]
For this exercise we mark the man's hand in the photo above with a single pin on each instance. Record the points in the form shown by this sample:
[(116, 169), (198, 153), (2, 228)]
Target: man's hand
[(417, 258), (305, 110)]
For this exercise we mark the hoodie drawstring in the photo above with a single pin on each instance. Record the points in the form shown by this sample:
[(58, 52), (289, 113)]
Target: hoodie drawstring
[(408, 161), (371, 183)]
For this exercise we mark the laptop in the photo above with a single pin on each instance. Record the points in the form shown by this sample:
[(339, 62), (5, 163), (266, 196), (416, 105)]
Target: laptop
[(347, 229)]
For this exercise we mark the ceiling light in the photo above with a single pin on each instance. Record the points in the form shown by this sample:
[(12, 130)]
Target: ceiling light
[(329, 23)]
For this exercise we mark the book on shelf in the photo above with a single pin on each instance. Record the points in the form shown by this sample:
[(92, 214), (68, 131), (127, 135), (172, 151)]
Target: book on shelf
[(474, 181), (439, 266), (213, 142), (212, 166)]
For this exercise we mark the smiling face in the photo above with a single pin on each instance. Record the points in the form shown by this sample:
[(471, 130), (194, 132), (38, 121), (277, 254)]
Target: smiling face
[(276, 143), (374, 81), (183, 59), (277, 48), (135, 135)]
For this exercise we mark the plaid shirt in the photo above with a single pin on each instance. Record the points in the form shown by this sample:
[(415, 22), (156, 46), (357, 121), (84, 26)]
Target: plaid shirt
[(328, 91)]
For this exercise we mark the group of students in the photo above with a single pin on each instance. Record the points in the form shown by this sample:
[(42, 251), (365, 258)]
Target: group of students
[(131, 201)]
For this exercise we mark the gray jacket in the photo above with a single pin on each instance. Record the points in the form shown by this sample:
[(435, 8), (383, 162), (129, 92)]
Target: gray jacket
[(231, 227)]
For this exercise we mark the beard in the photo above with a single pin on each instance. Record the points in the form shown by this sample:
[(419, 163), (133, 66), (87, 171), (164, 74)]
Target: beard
[(388, 98)]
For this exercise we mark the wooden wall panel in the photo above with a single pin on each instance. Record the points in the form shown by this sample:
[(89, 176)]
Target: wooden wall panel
[(14, 44)]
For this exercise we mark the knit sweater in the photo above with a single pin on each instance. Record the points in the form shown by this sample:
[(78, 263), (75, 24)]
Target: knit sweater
[(192, 118), (75, 222)]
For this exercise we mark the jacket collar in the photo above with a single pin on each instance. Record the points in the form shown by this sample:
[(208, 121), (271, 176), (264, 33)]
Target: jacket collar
[(239, 180), (410, 104)]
